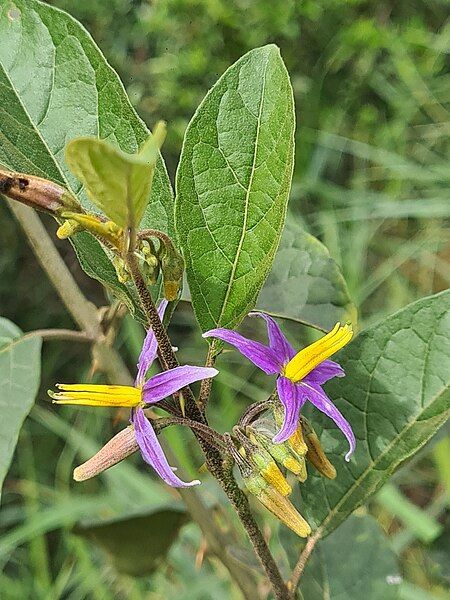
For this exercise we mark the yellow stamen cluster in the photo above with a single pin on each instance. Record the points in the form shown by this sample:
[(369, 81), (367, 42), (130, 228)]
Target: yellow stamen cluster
[(97, 395), (309, 358)]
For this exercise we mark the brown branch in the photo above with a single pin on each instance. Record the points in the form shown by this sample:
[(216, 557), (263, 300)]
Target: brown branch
[(301, 563), (68, 335)]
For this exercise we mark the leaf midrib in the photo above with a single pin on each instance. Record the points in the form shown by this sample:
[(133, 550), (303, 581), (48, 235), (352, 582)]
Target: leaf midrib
[(247, 201), (381, 456)]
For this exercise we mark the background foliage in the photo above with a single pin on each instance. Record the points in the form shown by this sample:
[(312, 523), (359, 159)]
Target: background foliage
[(371, 180)]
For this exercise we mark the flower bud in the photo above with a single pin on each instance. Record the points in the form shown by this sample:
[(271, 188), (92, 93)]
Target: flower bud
[(40, 194), (265, 492), (150, 264), (117, 449), (277, 504), (315, 454), (282, 453), (296, 441), (121, 269), (172, 267), (105, 230), (263, 462)]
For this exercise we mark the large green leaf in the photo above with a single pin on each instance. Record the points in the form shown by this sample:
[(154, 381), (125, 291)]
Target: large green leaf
[(20, 372), (137, 543), (355, 561), (56, 85), (233, 184), (305, 283), (395, 395)]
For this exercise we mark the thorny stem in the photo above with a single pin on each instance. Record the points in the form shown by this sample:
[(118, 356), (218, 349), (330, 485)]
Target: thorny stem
[(165, 349), (110, 362), (214, 460)]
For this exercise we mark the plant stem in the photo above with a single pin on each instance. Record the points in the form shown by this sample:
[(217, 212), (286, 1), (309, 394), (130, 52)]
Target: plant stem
[(67, 335), (206, 385), (240, 504), (301, 563), (110, 362), (213, 458)]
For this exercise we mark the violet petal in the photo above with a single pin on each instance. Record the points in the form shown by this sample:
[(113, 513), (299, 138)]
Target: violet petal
[(149, 349), (325, 371), (152, 452), (260, 355), (317, 396), (287, 393), (164, 384), (277, 340)]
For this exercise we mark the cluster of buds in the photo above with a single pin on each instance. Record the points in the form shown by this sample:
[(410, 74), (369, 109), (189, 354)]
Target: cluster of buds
[(155, 259), (261, 462), (47, 196)]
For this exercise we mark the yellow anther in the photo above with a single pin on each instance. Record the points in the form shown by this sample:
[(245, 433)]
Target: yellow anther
[(275, 478), (310, 357), (97, 395)]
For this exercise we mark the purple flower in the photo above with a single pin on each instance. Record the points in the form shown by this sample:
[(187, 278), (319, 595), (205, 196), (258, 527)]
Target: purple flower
[(300, 374), (141, 395)]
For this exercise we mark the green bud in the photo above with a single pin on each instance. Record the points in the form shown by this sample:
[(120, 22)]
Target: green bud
[(172, 267), (277, 504), (315, 454), (121, 269)]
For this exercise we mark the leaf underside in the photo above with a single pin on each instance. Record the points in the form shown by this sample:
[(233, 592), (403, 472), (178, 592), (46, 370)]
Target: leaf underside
[(56, 85), (20, 372)]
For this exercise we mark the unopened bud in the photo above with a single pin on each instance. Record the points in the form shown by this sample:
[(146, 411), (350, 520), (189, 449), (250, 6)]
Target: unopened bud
[(117, 449), (277, 504), (282, 453), (67, 229), (263, 462), (108, 230), (172, 267), (315, 454), (150, 265), (121, 269), (40, 194)]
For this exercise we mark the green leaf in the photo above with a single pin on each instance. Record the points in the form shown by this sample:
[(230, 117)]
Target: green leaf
[(419, 523), (233, 183), (8, 331), (305, 283), (20, 370), (355, 561), (395, 395), (55, 85), (117, 182), (136, 544)]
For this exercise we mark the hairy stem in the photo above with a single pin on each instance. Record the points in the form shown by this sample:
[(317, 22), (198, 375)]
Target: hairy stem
[(214, 460), (110, 362)]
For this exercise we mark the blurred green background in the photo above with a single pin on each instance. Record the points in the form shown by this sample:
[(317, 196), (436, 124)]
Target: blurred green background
[(372, 181)]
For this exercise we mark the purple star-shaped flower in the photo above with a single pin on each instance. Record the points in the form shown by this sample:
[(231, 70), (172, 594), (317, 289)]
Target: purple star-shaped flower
[(300, 374), (138, 397)]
